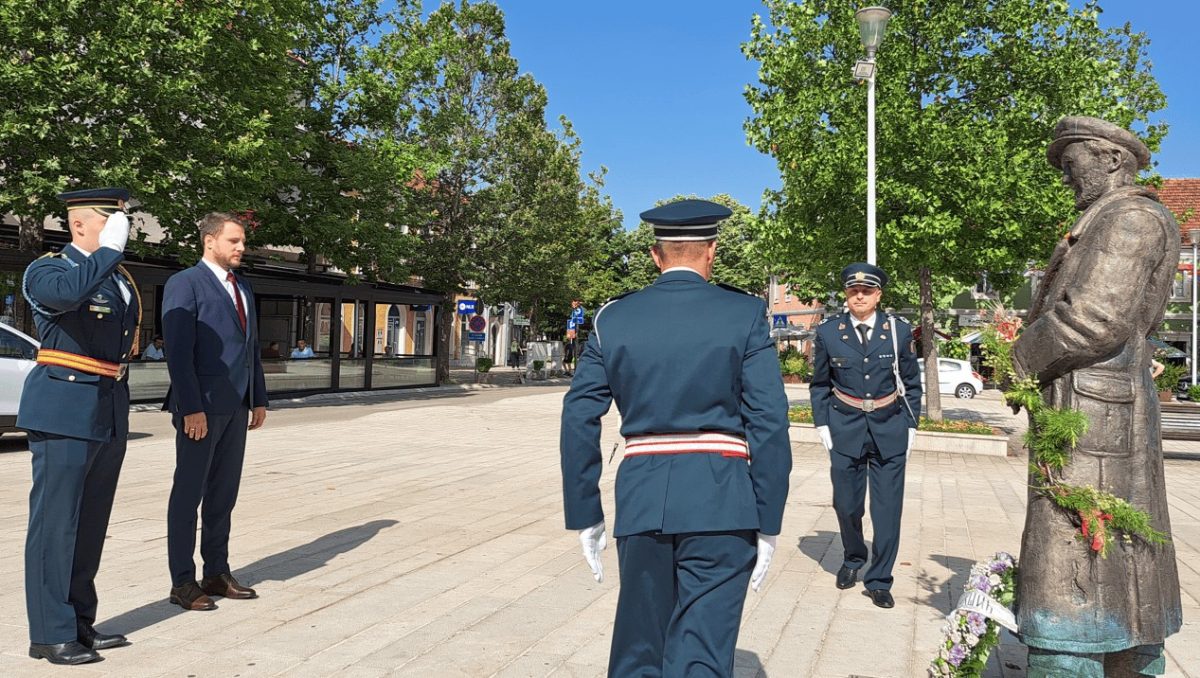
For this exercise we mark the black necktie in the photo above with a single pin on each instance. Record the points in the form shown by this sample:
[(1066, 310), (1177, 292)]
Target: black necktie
[(862, 332)]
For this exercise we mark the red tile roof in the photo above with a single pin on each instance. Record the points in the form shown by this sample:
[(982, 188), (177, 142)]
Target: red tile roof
[(1182, 196)]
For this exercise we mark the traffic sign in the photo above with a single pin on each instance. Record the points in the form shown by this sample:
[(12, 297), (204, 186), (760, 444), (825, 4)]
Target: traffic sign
[(779, 321), (477, 323), (468, 307), (476, 336)]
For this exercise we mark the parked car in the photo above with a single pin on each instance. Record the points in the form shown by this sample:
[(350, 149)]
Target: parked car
[(955, 377), (17, 354)]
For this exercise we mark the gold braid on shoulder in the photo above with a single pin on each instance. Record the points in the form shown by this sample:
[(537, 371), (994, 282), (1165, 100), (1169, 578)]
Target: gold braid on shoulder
[(137, 294)]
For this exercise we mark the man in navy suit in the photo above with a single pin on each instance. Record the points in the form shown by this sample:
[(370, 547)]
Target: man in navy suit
[(701, 489), (217, 393), (75, 406), (866, 398)]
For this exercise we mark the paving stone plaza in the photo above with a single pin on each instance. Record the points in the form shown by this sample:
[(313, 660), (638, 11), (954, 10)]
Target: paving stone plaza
[(422, 535)]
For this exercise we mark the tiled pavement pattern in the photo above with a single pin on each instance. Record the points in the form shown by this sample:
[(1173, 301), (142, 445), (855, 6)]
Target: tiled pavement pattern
[(422, 536)]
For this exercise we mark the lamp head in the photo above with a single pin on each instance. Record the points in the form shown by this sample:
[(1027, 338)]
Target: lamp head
[(872, 21)]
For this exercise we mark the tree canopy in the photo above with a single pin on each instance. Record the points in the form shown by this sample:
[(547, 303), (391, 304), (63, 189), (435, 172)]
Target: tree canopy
[(968, 95)]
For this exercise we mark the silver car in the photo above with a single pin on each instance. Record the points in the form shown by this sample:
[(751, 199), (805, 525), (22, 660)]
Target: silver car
[(17, 354), (955, 376)]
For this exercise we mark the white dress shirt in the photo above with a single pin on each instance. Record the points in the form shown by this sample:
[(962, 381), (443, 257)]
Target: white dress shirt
[(682, 268), (869, 322), (121, 284), (222, 275)]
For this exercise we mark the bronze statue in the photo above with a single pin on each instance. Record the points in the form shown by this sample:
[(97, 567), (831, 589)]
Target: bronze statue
[(1105, 289)]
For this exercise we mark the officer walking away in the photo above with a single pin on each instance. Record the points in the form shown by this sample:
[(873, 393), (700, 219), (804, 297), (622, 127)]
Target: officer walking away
[(86, 308), (866, 400), (702, 486)]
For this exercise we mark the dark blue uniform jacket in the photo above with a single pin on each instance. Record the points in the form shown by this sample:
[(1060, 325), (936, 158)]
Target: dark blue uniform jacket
[(841, 361), (680, 356), (80, 310)]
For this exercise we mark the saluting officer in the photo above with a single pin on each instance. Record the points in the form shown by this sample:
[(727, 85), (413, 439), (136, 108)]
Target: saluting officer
[(866, 400), (86, 308), (701, 488)]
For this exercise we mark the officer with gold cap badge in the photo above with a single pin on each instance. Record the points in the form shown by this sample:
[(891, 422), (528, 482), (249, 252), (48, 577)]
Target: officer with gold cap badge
[(86, 309), (701, 488), (866, 400)]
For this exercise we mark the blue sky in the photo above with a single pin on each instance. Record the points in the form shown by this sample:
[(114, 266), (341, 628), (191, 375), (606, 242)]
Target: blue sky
[(654, 89)]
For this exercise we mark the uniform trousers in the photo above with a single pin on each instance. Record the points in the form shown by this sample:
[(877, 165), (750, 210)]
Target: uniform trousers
[(680, 604), (74, 482), (208, 473), (850, 476)]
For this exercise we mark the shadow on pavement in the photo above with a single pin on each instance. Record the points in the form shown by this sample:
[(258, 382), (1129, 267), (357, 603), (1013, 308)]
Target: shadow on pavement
[(308, 557), (942, 595), (816, 546), (279, 567), (746, 664)]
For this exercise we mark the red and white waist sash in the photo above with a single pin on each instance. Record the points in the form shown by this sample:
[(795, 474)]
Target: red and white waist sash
[(724, 444)]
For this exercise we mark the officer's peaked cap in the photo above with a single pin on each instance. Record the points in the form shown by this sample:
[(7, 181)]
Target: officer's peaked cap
[(862, 273), (686, 220), (104, 200)]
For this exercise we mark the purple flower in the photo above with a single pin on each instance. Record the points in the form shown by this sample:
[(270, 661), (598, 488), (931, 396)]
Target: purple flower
[(998, 567), (957, 654), (976, 623), (980, 583)]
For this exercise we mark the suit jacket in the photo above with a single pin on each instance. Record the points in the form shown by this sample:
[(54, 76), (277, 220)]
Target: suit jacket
[(215, 367), (680, 356), (840, 360), (79, 308)]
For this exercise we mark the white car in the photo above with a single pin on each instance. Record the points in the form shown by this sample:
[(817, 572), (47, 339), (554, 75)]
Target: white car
[(17, 354), (956, 377)]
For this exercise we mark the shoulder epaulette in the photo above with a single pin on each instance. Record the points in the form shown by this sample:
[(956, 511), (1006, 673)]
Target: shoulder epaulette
[(901, 319), (731, 288), (52, 255), (828, 318)]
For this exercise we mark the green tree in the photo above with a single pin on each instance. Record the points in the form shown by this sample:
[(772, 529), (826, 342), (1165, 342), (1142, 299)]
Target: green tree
[(471, 110), (968, 94), (182, 102), (739, 261), (336, 197)]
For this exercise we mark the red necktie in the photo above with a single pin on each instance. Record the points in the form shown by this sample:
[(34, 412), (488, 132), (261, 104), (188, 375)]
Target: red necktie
[(237, 297)]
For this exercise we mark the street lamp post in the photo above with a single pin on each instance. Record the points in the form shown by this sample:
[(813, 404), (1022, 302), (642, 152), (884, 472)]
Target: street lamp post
[(1194, 236), (871, 23)]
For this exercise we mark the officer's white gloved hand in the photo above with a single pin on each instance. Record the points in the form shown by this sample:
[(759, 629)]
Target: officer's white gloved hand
[(766, 549), (826, 437), (115, 233), (593, 540), (912, 437)]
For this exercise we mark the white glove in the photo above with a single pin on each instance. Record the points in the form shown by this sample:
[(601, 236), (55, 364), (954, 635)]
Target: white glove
[(593, 540), (766, 549), (116, 232), (912, 437), (826, 437)]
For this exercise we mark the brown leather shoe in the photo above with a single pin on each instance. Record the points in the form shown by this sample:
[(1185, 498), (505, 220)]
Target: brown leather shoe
[(225, 585), (191, 597)]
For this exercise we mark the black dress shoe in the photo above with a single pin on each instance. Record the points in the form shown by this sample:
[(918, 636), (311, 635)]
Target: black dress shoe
[(882, 598), (63, 653), (846, 577), (89, 637), (190, 597)]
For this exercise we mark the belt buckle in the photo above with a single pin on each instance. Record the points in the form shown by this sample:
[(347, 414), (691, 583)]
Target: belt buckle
[(868, 405), (122, 371)]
